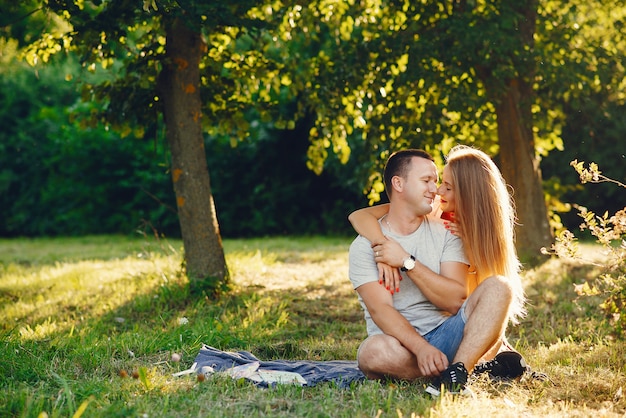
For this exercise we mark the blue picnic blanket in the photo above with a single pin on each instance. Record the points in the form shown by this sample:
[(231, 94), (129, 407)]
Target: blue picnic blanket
[(341, 372)]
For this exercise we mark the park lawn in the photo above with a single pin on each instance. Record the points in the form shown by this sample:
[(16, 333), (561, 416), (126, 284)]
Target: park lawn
[(79, 313)]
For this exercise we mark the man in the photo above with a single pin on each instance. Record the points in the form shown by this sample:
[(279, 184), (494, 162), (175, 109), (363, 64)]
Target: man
[(428, 327)]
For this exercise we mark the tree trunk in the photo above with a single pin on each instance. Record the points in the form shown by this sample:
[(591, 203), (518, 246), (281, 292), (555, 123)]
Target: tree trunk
[(518, 161), (520, 168), (179, 88), (518, 158)]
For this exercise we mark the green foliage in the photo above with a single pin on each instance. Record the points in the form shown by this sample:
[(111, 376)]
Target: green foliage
[(60, 177), (580, 83), (424, 74), (263, 186), (375, 77), (85, 179), (127, 40), (610, 232), (590, 133), (367, 71), (23, 21)]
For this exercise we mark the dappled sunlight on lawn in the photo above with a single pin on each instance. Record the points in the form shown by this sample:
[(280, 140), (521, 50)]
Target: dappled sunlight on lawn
[(265, 272), (56, 297), (313, 293)]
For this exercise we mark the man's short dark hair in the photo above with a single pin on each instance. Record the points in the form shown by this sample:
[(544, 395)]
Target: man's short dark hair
[(398, 165)]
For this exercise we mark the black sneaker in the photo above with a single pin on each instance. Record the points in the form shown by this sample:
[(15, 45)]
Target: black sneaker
[(507, 365), (452, 380)]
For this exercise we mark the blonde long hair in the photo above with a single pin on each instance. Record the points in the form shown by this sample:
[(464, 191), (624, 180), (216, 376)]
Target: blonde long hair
[(485, 214)]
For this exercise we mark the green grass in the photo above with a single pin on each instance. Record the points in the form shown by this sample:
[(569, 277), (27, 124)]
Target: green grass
[(75, 312)]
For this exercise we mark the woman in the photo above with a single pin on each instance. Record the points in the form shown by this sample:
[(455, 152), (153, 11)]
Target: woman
[(476, 206)]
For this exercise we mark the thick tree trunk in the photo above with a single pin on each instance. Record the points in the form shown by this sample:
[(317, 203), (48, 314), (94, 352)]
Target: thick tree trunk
[(519, 161), (179, 87), (520, 168)]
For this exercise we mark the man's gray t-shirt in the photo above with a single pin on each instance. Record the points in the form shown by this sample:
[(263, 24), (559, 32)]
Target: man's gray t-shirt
[(431, 244)]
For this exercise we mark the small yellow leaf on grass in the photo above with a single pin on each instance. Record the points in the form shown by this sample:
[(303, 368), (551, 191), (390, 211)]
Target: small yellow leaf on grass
[(83, 406)]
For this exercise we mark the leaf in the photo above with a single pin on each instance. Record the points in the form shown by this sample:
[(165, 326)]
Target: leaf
[(83, 407), (143, 377), (147, 4)]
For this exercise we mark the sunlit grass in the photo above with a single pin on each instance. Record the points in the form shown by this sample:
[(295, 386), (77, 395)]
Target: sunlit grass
[(82, 289), (76, 312)]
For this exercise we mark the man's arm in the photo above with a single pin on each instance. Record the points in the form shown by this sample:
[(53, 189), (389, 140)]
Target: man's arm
[(430, 360), (447, 290)]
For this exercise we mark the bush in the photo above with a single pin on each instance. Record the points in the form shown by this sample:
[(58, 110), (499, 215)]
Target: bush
[(593, 134), (263, 187), (60, 178), (610, 232)]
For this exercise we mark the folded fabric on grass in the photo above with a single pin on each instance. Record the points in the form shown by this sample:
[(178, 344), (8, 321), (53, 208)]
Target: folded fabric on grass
[(341, 372)]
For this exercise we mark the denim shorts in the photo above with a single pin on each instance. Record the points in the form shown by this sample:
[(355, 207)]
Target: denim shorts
[(447, 336)]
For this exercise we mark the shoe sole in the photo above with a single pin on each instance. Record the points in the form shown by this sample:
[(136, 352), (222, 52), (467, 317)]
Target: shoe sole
[(435, 393)]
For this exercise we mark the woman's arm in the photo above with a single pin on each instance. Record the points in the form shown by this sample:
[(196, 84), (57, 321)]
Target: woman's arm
[(365, 222)]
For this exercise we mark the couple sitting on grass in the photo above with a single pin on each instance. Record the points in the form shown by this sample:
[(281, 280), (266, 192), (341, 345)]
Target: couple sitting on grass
[(438, 290)]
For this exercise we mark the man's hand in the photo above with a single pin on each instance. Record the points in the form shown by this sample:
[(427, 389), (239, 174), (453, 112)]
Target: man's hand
[(431, 361), (390, 252)]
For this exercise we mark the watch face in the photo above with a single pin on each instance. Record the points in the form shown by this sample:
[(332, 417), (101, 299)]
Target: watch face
[(409, 264)]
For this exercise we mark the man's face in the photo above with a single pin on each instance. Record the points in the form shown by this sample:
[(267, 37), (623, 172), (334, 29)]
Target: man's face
[(420, 186)]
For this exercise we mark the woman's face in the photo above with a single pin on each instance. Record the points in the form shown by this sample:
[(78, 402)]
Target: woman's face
[(446, 191)]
